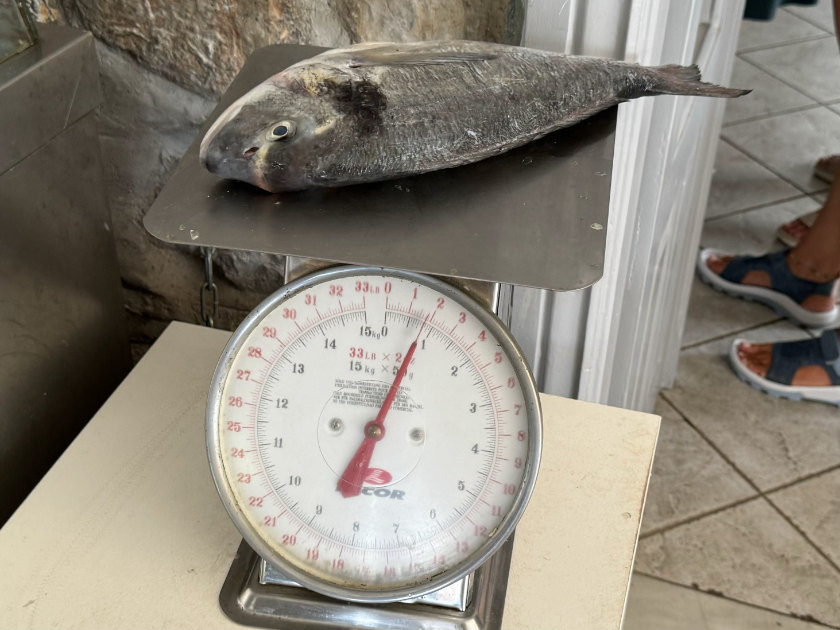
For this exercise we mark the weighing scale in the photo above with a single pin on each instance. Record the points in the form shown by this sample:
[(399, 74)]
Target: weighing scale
[(373, 428)]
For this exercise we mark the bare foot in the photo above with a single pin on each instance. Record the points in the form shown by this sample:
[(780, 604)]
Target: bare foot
[(757, 356), (793, 232), (826, 167), (814, 303), (796, 229), (753, 278)]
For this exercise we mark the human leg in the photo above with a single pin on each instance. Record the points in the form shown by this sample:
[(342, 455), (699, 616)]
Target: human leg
[(816, 258), (807, 369)]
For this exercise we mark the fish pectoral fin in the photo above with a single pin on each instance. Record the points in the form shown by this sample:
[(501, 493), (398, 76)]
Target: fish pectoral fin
[(325, 126), (397, 57)]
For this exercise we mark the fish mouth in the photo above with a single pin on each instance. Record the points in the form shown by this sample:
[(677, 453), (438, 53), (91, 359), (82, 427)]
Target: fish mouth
[(213, 159), (208, 155), (240, 166), (209, 152)]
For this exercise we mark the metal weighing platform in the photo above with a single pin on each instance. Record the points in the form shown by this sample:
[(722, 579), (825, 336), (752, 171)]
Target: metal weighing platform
[(533, 217)]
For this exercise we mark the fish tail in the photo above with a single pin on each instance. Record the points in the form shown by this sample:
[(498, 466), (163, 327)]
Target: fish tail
[(685, 80)]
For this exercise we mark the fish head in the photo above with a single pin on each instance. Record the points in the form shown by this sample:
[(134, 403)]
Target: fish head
[(264, 137)]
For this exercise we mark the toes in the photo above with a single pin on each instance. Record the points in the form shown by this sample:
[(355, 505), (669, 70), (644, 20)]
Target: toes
[(828, 162), (756, 356), (717, 263), (796, 228)]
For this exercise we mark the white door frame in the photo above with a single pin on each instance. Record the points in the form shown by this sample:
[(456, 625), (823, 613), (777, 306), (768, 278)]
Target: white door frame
[(618, 342)]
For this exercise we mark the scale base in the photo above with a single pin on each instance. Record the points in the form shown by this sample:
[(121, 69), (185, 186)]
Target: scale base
[(246, 599)]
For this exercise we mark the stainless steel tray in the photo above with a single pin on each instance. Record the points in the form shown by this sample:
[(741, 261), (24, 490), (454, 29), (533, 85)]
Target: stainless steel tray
[(535, 216)]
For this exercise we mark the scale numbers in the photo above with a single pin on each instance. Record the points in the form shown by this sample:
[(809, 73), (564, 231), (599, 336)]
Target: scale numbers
[(373, 433)]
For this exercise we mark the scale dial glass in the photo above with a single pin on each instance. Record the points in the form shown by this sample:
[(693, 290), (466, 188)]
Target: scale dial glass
[(356, 493)]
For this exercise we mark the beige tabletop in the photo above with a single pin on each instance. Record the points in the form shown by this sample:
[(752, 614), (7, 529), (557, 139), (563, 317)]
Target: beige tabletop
[(127, 530)]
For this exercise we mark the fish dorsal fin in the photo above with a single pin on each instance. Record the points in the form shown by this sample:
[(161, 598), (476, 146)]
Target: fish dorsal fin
[(409, 54), (414, 58)]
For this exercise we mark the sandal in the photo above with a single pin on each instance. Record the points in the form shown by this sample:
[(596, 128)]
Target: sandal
[(790, 233), (826, 168), (787, 291), (786, 359)]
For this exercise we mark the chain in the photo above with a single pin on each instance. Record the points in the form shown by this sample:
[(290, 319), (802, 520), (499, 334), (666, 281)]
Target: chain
[(209, 287)]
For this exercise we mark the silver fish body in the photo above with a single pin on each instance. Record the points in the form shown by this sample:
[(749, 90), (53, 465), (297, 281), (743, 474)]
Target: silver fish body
[(380, 111)]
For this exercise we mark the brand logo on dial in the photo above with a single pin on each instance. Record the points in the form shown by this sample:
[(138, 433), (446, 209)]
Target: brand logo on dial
[(384, 492), (377, 476)]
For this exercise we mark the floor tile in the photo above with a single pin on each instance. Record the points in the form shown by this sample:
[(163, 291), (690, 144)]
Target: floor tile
[(814, 506), (769, 95), (784, 28), (689, 478), (772, 441), (740, 182), (654, 604), (821, 15), (712, 314), (820, 198), (790, 144), (754, 231), (812, 67), (761, 561), (748, 553)]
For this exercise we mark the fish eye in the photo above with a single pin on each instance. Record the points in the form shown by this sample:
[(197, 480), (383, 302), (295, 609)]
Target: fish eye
[(281, 130)]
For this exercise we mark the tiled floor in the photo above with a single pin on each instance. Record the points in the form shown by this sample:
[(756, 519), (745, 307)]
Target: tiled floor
[(742, 522)]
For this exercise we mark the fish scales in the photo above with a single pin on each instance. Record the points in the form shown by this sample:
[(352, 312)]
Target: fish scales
[(380, 111), (456, 119)]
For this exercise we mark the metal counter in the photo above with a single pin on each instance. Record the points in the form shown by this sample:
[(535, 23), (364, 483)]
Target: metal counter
[(63, 338)]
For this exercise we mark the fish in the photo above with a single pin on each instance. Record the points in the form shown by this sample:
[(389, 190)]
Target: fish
[(380, 111)]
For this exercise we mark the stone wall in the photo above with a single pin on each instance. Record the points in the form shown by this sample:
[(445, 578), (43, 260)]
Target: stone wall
[(163, 66)]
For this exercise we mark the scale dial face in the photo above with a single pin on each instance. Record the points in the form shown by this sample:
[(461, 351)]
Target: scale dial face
[(375, 434)]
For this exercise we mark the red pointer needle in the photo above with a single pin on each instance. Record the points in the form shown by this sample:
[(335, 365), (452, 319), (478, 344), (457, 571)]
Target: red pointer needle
[(350, 484)]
